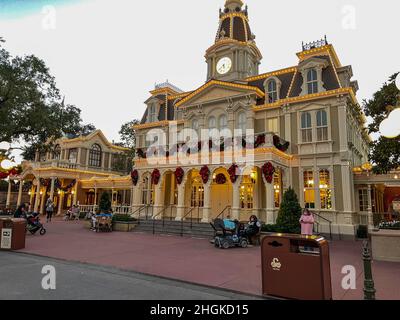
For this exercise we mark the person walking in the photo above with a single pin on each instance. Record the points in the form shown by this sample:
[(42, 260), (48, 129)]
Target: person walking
[(49, 209)]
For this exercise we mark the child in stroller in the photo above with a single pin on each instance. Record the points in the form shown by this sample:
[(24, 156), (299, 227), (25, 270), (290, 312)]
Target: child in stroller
[(228, 235)]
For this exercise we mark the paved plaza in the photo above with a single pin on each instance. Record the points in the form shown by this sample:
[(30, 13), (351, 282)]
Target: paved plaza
[(196, 260)]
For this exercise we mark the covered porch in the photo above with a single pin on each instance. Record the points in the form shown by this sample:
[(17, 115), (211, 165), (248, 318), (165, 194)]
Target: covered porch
[(377, 197)]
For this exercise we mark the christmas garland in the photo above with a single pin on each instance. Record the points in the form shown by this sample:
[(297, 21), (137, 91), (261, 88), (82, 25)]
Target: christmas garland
[(58, 185), (232, 171), (155, 177), (280, 144), (268, 171), (179, 175), (220, 179), (135, 177), (205, 174)]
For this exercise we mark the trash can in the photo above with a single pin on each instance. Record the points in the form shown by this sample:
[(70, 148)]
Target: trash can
[(12, 234), (296, 267)]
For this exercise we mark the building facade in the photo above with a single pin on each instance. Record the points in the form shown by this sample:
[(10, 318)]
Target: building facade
[(311, 105), (59, 174), (298, 127)]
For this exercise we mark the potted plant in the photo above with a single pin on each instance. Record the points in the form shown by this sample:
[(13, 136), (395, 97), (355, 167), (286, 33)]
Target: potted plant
[(124, 223)]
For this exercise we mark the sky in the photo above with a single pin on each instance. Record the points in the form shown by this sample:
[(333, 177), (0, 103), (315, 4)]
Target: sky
[(107, 55)]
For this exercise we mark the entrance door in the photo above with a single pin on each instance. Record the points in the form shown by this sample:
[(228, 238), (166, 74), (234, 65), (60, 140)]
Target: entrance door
[(221, 197)]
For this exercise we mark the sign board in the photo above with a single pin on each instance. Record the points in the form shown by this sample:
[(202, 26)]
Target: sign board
[(6, 236)]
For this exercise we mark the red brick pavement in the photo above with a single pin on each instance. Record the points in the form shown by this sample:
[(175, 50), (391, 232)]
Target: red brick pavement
[(196, 260)]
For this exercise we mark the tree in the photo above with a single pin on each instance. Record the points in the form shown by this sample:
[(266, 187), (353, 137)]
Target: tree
[(32, 112), (289, 213), (128, 134), (105, 203), (385, 152)]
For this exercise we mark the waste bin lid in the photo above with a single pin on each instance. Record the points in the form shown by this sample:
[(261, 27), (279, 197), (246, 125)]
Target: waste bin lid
[(318, 239)]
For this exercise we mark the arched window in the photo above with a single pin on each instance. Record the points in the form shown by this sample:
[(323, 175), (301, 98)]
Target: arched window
[(152, 117), (57, 152), (223, 122), (73, 156), (95, 156), (242, 122), (306, 127), (147, 191), (312, 81), (325, 189), (212, 123), (197, 195), (195, 128), (322, 125), (272, 91)]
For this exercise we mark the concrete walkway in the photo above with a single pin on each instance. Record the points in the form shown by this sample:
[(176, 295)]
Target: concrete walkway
[(196, 260), (21, 277)]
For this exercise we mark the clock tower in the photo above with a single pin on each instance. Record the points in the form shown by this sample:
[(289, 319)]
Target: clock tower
[(234, 55)]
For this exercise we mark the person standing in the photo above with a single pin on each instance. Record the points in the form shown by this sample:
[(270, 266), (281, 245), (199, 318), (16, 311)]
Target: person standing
[(307, 223), (49, 209)]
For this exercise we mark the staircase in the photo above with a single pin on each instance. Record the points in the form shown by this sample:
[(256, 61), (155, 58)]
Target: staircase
[(189, 229)]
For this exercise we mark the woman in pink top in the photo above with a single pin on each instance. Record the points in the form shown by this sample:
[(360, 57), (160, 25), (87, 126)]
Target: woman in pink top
[(307, 223)]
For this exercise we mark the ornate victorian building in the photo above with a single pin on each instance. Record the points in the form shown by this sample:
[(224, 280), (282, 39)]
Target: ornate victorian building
[(312, 106), (301, 127)]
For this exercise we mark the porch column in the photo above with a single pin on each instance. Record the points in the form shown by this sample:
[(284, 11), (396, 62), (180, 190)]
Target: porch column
[(52, 186), (31, 198), (180, 211), (75, 197), (43, 199), (207, 203), (95, 199), (60, 203), (8, 202), (236, 200), (370, 212), (135, 199), (256, 196), (21, 185), (37, 199), (158, 200), (270, 203)]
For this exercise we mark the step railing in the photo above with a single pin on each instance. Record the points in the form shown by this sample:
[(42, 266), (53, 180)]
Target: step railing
[(160, 215), (223, 212), (138, 212), (318, 224), (190, 212)]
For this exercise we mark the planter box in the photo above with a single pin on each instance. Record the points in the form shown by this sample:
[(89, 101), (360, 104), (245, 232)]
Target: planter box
[(386, 245), (117, 226), (124, 226)]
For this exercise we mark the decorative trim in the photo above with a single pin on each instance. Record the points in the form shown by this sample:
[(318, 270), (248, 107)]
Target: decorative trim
[(224, 84), (309, 97), (328, 49), (271, 74), (165, 123)]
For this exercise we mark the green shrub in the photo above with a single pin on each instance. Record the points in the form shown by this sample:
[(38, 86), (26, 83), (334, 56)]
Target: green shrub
[(105, 203), (123, 218), (362, 232), (289, 213), (270, 228)]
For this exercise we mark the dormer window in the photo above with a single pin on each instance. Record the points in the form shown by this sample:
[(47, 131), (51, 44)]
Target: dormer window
[(272, 91), (272, 88), (311, 71), (312, 81), (95, 156), (152, 117), (223, 122)]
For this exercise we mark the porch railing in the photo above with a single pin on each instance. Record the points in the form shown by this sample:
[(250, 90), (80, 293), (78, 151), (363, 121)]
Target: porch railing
[(318, 225), (88, 208), (122, 209)]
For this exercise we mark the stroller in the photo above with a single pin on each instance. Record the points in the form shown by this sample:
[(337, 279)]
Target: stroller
[(33, 224), (226, 238)]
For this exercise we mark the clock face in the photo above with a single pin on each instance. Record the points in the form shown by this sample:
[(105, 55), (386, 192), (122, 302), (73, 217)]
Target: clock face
[(224, 65)]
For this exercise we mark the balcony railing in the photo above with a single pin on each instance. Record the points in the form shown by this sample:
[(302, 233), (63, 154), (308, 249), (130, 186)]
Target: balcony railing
[(65, 164)]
